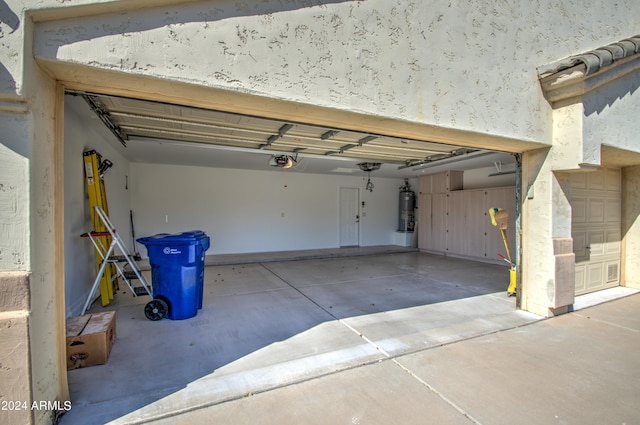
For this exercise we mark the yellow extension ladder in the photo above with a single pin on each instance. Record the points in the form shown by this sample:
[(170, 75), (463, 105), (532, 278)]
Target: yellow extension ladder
[(94, 169)]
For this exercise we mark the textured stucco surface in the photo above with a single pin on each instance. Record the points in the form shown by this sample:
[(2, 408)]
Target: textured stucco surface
[(458, 66), (46, 320), (538, 271), (11, 42), (14, 199), (14, 346), (609, 115), (14, 368)]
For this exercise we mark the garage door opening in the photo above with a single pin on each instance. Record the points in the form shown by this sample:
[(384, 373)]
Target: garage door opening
[(279, 319), (168, 157)]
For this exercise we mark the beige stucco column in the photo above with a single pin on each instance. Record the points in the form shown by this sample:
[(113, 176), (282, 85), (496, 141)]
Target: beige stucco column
[(15, 303), (631, 227), (548, 279), (32, 367), (548, 266), (14, 346)]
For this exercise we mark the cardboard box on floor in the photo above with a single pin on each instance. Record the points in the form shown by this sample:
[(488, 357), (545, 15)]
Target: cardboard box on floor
[(90, 338)]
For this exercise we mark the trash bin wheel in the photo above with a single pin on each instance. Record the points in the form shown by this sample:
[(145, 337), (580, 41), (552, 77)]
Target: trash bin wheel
[(156, 309)]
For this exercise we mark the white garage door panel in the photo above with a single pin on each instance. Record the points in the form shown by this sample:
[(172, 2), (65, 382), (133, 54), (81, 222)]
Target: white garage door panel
[(613, 183), (579, 210), (595, 274), (612, 246), (596, 211), (579, 181), (581, 285), (613, 209), (596, 216), (595, 242), (580, 245), (595, 181)]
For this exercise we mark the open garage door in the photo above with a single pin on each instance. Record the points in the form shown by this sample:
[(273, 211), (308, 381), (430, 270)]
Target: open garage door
[(142, 125)]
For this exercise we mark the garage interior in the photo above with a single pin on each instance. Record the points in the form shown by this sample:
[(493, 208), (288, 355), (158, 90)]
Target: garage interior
[(283, 302)]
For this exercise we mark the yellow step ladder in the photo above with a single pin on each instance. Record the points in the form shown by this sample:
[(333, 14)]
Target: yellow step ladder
[(94, 169)]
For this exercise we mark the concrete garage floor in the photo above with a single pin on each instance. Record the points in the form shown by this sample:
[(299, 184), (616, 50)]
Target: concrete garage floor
[(285, 328)]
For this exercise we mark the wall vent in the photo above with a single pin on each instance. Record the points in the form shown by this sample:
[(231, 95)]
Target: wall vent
[(612, 272)]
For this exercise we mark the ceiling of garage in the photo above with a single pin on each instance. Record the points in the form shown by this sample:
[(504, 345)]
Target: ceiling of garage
[(165, 133)]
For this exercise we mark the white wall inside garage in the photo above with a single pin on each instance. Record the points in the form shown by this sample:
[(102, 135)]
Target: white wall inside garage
[(257, 211)]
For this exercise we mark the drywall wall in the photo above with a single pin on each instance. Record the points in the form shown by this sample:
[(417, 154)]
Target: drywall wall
[(84, 132), (257, 211)]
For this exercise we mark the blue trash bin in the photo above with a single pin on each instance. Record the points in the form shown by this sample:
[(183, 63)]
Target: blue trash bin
[(177, 273)]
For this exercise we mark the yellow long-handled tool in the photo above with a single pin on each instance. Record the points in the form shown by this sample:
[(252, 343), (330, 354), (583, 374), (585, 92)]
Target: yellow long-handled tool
[(500, 219)]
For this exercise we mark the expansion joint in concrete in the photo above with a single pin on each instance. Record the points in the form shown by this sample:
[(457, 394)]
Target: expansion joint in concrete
[(383, 352)]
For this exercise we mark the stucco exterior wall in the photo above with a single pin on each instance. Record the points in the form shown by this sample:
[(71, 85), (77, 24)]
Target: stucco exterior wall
[(14, 205), (609, 115), (458, 66)]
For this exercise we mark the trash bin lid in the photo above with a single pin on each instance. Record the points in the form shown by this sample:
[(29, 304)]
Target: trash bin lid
[(185, 238)]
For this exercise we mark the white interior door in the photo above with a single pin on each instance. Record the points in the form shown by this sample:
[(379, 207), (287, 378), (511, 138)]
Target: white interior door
[(596, 229), (349, 216)]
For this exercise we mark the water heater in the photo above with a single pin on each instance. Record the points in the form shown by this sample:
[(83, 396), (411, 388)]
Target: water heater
[(407, 206)]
